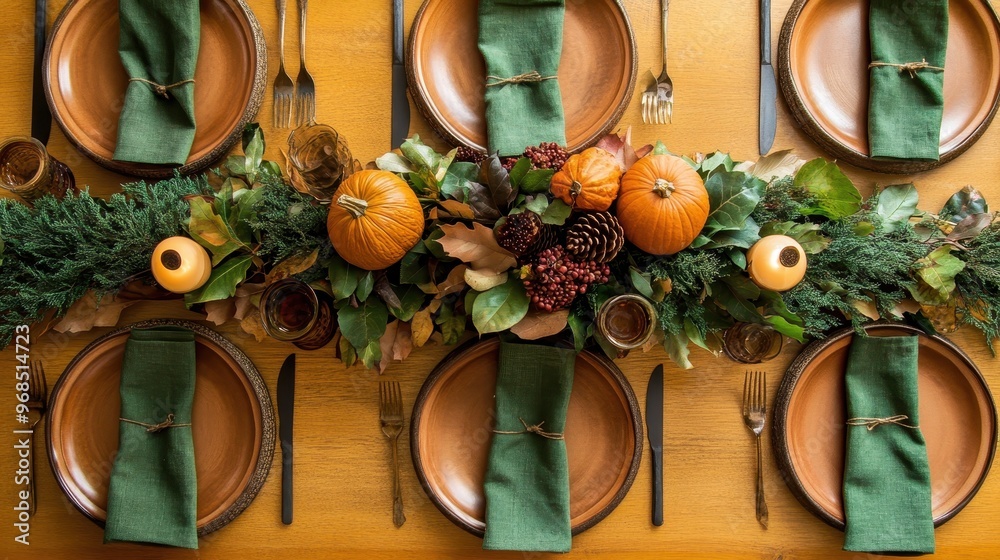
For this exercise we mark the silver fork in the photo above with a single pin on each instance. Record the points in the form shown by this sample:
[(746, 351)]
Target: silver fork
[(390, 402), (38, 392), (658, 99), (305, 100), (754, 416), (284, 90)]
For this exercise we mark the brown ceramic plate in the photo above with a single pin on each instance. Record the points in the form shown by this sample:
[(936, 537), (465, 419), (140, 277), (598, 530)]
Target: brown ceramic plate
[(823, 58), (957, 417), (452, 426), (446, 72), (233, 425), (85, 81)]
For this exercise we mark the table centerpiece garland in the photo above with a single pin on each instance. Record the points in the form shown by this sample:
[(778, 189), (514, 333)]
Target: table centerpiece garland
[(531, 246)]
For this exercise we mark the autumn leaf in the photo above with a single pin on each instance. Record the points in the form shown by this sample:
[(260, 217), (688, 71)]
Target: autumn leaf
[(456, 209), (773, 166), (396, 344), (211, 231), (247, 298), (540, 324), (476, 246), (620, 146), (88, 313), (422, 325), (481, 280), (453, 283), (291, 266), (251, 324), (220, 311)]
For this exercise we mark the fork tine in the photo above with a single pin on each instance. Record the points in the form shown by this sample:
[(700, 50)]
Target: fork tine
[(763, 390), (399, 398), (45, 383), (746, 393)]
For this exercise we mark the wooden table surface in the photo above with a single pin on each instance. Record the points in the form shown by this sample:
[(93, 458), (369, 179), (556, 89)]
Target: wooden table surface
[(343, 492)]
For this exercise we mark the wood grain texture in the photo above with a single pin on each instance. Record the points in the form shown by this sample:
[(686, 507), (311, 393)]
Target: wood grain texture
[(343, 482)]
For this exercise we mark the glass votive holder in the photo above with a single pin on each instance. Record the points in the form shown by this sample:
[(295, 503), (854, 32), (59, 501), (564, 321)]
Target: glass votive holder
[(752, 343), (318, 160), (291, 311), (627, 321), (29, 171)]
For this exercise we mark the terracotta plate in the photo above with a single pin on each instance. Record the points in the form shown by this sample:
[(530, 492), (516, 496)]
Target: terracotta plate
[(452, 427), (233, 425), (957, 416), (823, 58), (446, 72), (85, 81)]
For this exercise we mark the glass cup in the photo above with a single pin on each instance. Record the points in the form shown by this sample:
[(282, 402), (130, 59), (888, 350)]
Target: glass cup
[(627, 321), (318, 160), (27, 170), (291, 311), (752, 343)]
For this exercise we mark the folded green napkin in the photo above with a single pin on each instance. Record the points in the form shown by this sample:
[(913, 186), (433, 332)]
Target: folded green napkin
[(887, 483), (158, 42), (905, 103), (518, 38), (153, 494), (527, 477)]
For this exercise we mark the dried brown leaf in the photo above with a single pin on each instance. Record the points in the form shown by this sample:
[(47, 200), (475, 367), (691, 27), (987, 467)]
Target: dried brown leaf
[(220, 311), (421, 326), (88, 313), (476, 246), (396, 344), (292, 266), (539, 324), (251, 325), (457, 209), (453, 283)]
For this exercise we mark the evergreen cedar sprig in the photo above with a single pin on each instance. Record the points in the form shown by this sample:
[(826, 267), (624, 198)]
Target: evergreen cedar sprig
[(290, 223), (58, 250), (978, 285)]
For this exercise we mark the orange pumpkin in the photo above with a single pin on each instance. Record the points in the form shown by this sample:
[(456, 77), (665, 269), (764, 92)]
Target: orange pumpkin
[(589, 180), (663, 204), (374, 219)]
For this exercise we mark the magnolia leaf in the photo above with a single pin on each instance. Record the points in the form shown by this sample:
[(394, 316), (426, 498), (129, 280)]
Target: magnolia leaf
[(936, 273), (500, 308), (223, 281), (292, 266), (537, 181), (246, 201), (642, 282), (452, 324), (655, 340), (483, 280), (482, 203), (251, 324), (775, 305), (808, 235), (344, 278), (733, 196), (963, 204), (496, 180), (408, 301), (736, 300), (395, 345), (556, 213), (420, 155), (366, 283), (88, 313), (476, 246), (421, 327), (971, 226), (866, 308), (581, 330), (896, 204), (833, 194), (676, 346), (453, 283), (457, 209), (394, 163), (220, 311), (210, 231), (363, 324), (784, 327), (864, 229), (254, 154), (773, 166), (540, 324), (413, 268)]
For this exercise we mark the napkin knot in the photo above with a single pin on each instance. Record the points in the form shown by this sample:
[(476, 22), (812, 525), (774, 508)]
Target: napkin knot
[(526, 78), (153, 428), (532, 429), (160, 89), (872, 423), (911, 67)]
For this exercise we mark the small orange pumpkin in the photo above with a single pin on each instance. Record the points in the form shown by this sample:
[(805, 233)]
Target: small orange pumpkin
[(374, 219), (589, 180), (663, 204)]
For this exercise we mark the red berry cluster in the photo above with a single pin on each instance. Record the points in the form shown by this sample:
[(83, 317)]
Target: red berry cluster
[(469, 155), (557, 279), (547, 155)]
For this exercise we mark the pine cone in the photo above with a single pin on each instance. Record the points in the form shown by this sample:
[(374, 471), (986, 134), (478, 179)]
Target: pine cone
[(595, 237)]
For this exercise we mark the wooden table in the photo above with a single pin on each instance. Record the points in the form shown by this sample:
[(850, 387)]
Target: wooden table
[(343, 496)]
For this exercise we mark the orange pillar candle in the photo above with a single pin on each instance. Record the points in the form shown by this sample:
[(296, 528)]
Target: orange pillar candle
[(180, 265), (776, 262)]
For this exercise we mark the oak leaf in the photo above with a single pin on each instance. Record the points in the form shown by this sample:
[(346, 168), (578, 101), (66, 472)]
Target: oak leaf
[(88, 313), (476, 246), (540, 324), (220, 311), (292, 266)]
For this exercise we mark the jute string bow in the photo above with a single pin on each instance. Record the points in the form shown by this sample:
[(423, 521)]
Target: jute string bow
[(911, 67), (160, 89), (154, 428), (526, 78), (532, 429), (872, 423)]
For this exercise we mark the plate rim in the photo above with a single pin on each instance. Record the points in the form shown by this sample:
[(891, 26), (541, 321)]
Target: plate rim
[(470, 346), (790, 380), (426, 110), (249, 370), (811, 127), (147, 171)]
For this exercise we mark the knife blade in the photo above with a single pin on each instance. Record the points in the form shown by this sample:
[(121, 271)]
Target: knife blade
[(768, 122), (654, 430), (286, 415), (400, 105), (41, 118)]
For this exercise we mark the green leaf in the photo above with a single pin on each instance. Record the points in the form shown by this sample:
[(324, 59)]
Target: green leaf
[(363, 324), (641, 281), (581, 330), (236, 165), (224, 200), (253, 155), (246, 201), (343, 278), (270, 169), (864, 229), (537, 181), (371, 355), (833, 194), (735, 297), (963, 204), (457, 179), (208, 229), (365, 285), (660, 149), (896, 204), (784, 327), (716, 162), (808, 235), (250, 131), (411, 299), (775, 305), (676, 346), (394, 163), (223, 281), (420, 155), (936, 273), (434, 247), (556, 213), (742, 238), (500, 308), (738, 257), (537, 204), (519, 170), (733, 196), (413, 268), (452, 324)]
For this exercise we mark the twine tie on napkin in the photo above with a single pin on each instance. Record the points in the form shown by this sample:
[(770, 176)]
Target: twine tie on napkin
[(153, 428), (527, 78), (911, 67), (160, 89), (532, 429), (872, 423)]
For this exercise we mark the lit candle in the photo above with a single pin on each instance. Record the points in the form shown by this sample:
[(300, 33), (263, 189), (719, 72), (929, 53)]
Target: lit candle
[(776, 262), (180, 265)]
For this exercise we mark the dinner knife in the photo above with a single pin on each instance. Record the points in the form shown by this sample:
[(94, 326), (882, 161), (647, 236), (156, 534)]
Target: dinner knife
[(768, 88), (400, 106), (286, 414), (654, 429), (41, 118)]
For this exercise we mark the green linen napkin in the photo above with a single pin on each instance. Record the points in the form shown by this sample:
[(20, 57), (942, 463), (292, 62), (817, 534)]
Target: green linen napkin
[(518, 37), (527, 477), (887, 485), (158, 41), (153, 494), (905, 105)]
